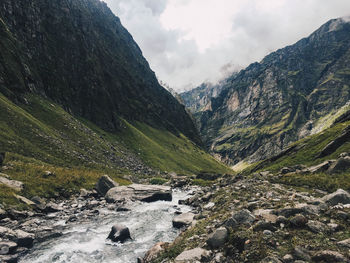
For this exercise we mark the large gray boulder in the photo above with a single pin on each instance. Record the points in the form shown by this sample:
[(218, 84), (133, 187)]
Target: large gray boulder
[(7, 247), (119, 233), (15, 185), (104, 184), (339, 197), (341, 165), (329, 256), (218, 238), (21, 238), (242, 217), (193, 255), (184, 219), (139, 192)]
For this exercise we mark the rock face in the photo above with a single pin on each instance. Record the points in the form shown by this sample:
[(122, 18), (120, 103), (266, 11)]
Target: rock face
[(104, 184), (270, 104), (119, 233), (78, 54), (139, 192), (183, 220), (339, 197), (2, 158)]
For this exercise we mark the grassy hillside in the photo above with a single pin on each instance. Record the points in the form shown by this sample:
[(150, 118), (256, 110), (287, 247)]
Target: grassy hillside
[(40, 136)]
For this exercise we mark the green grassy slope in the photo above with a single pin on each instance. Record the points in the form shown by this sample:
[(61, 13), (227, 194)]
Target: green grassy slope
[(40, 136)]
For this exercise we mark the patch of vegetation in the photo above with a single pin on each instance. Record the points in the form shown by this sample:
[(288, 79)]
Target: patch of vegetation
[(158, 181), (203, 183)]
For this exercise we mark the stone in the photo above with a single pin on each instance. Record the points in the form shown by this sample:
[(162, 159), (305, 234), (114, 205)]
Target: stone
[(322, 167), (48, 174), (341, 165), (24, 200), (263, 225), (104, 184), (344, 243), (9, 258), (53, 208), (301, 253), (154, 252), (15, 185), (267, 232), (339, 197), (139, 192), (288, 258), (185, 219), (317, 227), (329, 256), (242, 217), (192, 255), (298, 220), (289, 211), (84, 192), (218, 238), (119, 233), (7, 247), (266, 214), (22, 238), (39, 203), (208, 176), (3, 214), (209, 206), (271, 259)]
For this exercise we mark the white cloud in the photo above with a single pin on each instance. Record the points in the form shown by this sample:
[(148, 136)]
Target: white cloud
[(190, 41)]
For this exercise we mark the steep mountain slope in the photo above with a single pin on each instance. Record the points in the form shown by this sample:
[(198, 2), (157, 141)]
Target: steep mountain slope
[(78, 99), (291, 93), (78, 54)]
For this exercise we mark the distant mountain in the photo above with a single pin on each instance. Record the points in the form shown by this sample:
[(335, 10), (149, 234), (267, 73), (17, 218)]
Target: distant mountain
[(293, 92)]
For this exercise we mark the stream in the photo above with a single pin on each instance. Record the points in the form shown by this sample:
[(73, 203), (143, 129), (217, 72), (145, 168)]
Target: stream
[(84, 242)]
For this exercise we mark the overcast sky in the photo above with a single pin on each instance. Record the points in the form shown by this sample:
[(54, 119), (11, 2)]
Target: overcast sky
[(188, 42)]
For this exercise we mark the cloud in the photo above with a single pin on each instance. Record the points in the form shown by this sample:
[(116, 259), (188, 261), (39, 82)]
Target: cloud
[(188, 42)]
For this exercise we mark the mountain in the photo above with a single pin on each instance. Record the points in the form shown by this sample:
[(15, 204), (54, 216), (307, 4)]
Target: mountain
[(294, 92), (78, 99)]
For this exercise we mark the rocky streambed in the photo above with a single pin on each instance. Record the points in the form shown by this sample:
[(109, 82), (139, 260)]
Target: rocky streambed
[(76, 230)]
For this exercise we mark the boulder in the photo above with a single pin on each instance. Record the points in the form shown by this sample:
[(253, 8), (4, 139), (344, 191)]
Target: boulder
[(23, 239), (344, 243), (317, 227), (271, 260), (48, 174), (339, 197), (7, 247), (3, 214), (154, 252), (341, 165), (298, 220), (322, 167), (263, 225), (301, 253), (242, 217), (24, 200), (185, 219), (2, 158), (16, 185), (139, 192), (104, 184), (289, 211), (39, 203), (119, 233), (192, 255), (218, 238), (9, 258), (329, 256), (208, 176)]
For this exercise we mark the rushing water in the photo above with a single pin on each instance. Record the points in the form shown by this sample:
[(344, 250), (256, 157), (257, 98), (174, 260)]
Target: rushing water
[(85, 242)]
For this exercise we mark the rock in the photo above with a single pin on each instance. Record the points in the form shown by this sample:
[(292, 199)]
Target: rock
[(288, 258), (344, 243), (24, 200), (289, 211), (2, 158), (183, 220), (329, 256), (119, 233), (298, 220), (104, 184), (16, 185), (262, 225), (9, 258), (53, 208), (84, 192), (339, 197), (48, 174), (267, 233), (154, 252), (322, 167), (218, 238), (266, 214), (3, 214), (47, 234), (39, 203), (270, 260), (301, 253), (242, 217), (341, 165), (139, 192), (317, 227), (209, 206), (286, 170), (334, 145), (193, 255), (23, 239), (208, 176), (7, 247)]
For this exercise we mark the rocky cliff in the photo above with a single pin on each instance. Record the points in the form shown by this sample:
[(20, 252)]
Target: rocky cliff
[(293, 92), (78, 54)]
